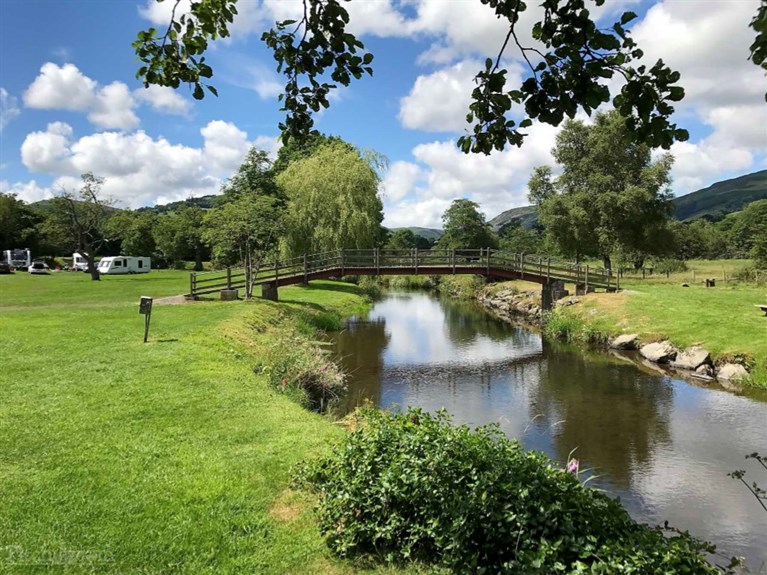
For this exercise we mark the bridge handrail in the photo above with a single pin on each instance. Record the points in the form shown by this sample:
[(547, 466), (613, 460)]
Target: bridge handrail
[(377, 258)]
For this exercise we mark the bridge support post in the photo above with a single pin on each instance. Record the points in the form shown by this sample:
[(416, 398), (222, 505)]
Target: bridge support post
[(552, 291), (269, 292)]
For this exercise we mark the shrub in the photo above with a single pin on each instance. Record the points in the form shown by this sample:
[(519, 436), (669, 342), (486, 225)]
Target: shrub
[(670, 266), (301, 369), (412, 486)]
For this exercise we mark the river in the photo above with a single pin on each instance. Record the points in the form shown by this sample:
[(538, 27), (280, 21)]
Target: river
[(661, 444)]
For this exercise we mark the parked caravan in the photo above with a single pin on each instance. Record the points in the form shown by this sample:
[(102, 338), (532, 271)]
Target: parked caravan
[(79, 262), (124, 265), (18, 259)]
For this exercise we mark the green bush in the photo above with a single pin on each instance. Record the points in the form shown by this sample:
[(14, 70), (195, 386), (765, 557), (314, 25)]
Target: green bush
[(413, 487)]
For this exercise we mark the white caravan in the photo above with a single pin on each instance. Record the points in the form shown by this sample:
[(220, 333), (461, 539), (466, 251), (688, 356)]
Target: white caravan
[(18, 259), (124, 265), (79, 262)]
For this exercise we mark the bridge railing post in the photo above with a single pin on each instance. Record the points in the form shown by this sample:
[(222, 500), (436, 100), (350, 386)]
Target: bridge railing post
[(488, 262), (548, 269), (342, 261), (415, 259), (586, 286), (377, 258), (228, 278), (192, 282), (452, 259), (306, 270)]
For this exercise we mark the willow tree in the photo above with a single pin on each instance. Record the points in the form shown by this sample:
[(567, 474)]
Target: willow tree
[(333, 200)]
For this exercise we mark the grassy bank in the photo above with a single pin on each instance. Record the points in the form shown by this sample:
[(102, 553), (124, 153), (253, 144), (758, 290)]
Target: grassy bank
[(722, 319), (167, 457)]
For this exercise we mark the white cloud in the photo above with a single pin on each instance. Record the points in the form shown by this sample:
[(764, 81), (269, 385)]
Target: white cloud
[(66, 88), (60, 88), (9, 108), (496, 182), (400, 180), (138, 169), (26, 191), (164, 99), (113, 108), (250, 74), (439, 102)]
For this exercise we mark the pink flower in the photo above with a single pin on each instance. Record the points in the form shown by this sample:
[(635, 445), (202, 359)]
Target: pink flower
[(572, 466)]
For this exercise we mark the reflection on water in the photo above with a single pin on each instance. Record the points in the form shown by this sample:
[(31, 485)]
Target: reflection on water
[(660, 444)]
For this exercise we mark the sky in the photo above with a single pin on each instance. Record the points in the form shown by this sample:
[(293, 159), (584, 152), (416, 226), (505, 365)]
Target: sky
[(70, 102)]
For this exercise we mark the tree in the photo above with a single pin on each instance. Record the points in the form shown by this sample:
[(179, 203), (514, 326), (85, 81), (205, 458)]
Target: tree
[(170, 239), (82, 215), (134, 231), (254, 176), (333, 200), (17, 223), (611, 195), (465, 227), (402, 239), (570, 68), (249, 226), (516, 239)]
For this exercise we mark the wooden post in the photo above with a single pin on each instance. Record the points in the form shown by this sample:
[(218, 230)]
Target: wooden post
[(522, 266), (228, 278), (415, 258), (618, 282), (587, 280), (452, 259), (192, 280), (488, 262), (377, 257), (276, 272), (548, 269), (342, 261), (306, 270)]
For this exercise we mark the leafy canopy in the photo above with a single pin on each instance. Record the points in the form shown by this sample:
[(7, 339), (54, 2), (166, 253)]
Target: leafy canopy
[(333, 200), (611, 196), (570, 67), (465, 227)]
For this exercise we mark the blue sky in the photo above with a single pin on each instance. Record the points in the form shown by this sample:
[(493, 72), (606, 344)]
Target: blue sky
[(70, 103)]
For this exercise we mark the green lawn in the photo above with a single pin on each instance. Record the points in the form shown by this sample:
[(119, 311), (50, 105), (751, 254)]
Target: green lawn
[(722, 319), (166, 457)]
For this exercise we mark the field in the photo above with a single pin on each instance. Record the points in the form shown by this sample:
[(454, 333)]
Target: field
[(723, 318), (166, 457)]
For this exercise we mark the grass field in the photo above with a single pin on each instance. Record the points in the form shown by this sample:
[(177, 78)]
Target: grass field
[(166, 457), (723, 319)]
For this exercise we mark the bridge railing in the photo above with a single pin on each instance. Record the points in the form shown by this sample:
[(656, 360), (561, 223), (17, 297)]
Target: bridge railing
[(374, 260)]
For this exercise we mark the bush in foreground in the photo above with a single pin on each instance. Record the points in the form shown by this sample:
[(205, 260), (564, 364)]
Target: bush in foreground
[(414, 487)]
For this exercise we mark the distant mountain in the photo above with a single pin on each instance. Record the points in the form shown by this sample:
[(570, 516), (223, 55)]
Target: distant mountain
[(428, 233), (722, 198), (524, 216), (712, 203)]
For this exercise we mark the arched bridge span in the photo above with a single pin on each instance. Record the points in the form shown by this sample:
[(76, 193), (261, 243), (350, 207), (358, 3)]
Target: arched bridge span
[(548, 272)]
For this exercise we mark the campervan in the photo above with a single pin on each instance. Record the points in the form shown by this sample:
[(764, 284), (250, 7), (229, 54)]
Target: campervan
[(124, 265), (79, 262), (18, 259)]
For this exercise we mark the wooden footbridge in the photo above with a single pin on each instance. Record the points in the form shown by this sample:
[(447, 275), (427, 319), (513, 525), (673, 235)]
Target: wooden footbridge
[(550, 273)]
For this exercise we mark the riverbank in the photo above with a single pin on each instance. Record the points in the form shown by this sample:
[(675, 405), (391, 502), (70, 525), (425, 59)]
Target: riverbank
[(722, 320), (166, 457)]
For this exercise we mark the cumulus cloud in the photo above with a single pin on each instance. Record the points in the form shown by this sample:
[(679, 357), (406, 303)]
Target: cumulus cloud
[(111, 107), (26, 191), (138, 169), (9, 108), (442, 173), (164, 99)]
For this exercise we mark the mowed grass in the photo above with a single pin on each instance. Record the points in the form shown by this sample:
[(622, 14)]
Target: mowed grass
[(166, 457), (723, 319)]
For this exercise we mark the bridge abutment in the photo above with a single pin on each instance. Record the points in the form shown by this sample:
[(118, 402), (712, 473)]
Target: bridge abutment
[(552, 291)]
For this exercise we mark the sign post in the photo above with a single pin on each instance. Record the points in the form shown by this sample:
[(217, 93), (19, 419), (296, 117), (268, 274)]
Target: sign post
[(145, 308)]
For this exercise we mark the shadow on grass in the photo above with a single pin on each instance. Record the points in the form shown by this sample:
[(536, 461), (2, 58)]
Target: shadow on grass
[(336, 287)]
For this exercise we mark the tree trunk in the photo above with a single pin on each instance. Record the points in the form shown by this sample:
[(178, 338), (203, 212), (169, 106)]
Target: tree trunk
[(95, 275), (198, 257), (607, 262)]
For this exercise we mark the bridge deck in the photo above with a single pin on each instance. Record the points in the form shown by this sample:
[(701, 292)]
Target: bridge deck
[(489, 263)]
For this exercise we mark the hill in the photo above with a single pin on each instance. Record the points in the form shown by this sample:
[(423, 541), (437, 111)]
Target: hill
[(428, 233), (712, 203), (524, 216), (722, 198)]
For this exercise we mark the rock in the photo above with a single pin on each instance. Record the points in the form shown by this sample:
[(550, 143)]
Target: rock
[(660, 352), (691, 358), (626, 341), (705, 370), (731, 372)]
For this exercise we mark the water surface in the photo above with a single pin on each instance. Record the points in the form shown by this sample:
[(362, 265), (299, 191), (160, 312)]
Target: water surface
[(662, 445)]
